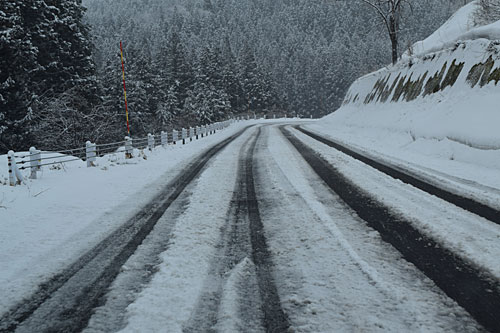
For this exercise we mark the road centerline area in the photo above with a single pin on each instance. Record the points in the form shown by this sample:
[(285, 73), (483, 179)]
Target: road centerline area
[(242, 243)]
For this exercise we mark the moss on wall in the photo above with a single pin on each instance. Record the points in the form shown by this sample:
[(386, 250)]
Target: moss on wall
[(474, 74), (494, 76), (452, 75), (488, 66), (415, 89), (403, 87), (399, 89), (480, 73), (433, 84), (388, 91)]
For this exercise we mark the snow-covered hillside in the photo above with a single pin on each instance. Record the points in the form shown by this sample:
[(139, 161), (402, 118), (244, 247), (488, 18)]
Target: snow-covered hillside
[(436, 110)]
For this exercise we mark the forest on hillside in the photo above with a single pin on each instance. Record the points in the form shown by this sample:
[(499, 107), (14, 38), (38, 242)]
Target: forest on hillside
[(187, 62)]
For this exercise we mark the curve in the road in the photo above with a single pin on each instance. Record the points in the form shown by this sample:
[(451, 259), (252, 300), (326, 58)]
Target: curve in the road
[(468, 204), (471, 288), (65, 302), (242, 239)]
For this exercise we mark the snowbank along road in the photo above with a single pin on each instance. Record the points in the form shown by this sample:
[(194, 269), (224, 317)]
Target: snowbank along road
[(272, 230)]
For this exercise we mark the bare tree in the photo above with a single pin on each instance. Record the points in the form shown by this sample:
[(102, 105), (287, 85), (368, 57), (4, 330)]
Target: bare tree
[(68, 121), (390, 11)]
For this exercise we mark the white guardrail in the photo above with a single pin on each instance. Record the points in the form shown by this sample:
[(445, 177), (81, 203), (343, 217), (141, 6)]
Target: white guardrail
[(36, 159)]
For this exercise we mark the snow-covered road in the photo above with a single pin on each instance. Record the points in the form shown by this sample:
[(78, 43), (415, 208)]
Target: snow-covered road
[(248, 237)]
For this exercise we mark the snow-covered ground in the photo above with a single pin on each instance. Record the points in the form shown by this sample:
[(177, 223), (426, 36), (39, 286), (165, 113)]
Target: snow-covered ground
[(450, 137), (469, 236), (460, 27), (47, 223), (334, 273), (172, 295), (452, 30)]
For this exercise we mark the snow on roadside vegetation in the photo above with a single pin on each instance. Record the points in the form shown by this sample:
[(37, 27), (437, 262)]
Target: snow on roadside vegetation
[(452, 133), (48, 222)]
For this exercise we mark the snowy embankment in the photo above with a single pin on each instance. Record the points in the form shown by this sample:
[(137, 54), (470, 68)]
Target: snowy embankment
[(47, 223), (435, 112)]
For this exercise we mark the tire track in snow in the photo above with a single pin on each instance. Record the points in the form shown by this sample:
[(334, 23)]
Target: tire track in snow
[(138, 271), (478, 293), (65, 302), (322, 288), (241, 274), (468, 204)]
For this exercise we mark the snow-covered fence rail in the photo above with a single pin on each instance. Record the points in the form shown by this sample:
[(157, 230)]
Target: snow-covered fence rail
[(36, 159)]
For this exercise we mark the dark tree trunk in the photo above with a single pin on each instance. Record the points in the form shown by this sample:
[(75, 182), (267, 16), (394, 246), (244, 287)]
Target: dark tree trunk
[(393, 34)]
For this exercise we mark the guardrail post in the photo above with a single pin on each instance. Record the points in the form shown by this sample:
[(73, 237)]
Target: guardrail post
[(191, 133), (184, 136), (39, 160), (151, 141), (11, 160), (175, 136), (197, 132), (14, 171), (164, 138), (34, 162), (90, 153), (129, 148)]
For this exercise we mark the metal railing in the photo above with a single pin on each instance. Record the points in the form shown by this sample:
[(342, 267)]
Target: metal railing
[(35, 159)]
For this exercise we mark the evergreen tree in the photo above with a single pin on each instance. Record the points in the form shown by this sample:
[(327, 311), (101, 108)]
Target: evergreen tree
[(168, 108), (16, 66), (306, 53), (47, 52), (206, 102), (111, 92), (179, 71), (229, 77)]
